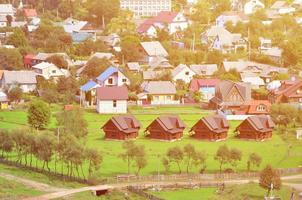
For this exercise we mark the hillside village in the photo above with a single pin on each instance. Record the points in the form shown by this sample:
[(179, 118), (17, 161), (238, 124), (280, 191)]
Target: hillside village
[(218, 80)]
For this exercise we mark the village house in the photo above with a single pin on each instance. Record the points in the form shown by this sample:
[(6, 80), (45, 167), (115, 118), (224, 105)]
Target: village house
[(230, 95), (205, 86), (26, 80), (160, 63), (258, 107), (30, 13), (253, 79), (158, 93), (275, 54), (121, 127), (3, 21), (288, 92), (182, 73), (112, 76), (133, 66), (258, 128), (169, 128), (49, 70), (204, 70), (283, 7), (112, 99), (213, 128), (88, 93), (3, 101), (31, 60), (232, 17), (252, 6), (171, 21), (218, 38), (151, 50), (7, 9)]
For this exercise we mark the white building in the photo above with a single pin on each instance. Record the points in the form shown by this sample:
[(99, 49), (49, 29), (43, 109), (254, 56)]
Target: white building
[(146, 7), (112, 76), (183, 72), (112, 99), (49, 70), (252, 6)]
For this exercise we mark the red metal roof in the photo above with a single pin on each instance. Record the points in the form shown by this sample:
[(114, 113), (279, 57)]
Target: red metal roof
[(255, 103), (112, 93), (30, 12), (145, 26), (196, 84), (165, 17)]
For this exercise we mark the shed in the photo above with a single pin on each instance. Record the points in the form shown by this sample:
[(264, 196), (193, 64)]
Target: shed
[(121, 127), (212, 128), (168, 128), (258, 127)]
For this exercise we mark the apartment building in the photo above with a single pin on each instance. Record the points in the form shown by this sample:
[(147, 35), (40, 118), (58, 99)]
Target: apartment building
[(146, 7)]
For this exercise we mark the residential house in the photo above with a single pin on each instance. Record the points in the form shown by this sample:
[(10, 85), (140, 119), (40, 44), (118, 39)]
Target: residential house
[(206, 87), (283, 7), (169, 128), (146, 8), (26, 80), (147, 28), (232, 17), (151, 50), (49, 70), (158, 93), (3, 21), (112, 76), (171, 21), (182, 73), (275, 54), (88, 93), (258, 127), (110, 40), (265, 44), (253, 79), (252, 6), (160, 63), (288, 92), (43, 57), (122, 127), (30, 13), (112, 99), (230, 95), (213, 128), (218, 38), (258, 107), (7, 9), (3, 101), (133, 66), (205, 70), (150, 75)]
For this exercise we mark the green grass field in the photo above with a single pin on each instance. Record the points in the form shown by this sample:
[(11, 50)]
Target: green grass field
[(13, 190), (247, 191), (274, 151)]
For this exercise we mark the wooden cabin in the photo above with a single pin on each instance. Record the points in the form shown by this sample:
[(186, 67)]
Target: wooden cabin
[(212, 128), (258, 127), (121, 127), (168, 128)]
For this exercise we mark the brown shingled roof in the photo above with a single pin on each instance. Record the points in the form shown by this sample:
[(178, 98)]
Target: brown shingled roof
[(261, 123), (215, 123), (172, 124), (125, 123)]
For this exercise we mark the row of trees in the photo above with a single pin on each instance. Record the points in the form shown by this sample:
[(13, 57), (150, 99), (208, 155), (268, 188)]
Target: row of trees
[(39, 149)]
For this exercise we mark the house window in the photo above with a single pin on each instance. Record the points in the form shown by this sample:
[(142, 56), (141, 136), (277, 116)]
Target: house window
[(110, 81), (187, 73), (53, 71), (261, 108), (114, 103), (124, 80), (156, 98), (169, 98)]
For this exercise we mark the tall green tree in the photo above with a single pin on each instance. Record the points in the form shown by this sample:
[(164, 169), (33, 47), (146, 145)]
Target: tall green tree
[(38, 114), (270, 179)]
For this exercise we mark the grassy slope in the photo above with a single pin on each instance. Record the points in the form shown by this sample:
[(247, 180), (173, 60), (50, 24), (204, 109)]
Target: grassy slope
[(253, 191), (14, 190), (273, 151)]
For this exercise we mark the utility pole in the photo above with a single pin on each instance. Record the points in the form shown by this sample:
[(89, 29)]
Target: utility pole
[(249, 43)]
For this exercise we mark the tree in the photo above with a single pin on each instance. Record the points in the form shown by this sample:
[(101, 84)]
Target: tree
[(38, 114), (222, 156), (6, 142), (94, 159), (130, 153), (58, 60), (202, 13), (189, 154), (72, 122), (235, 156), (122, 24), (254, 160), (10, 59), (176, 155), (283, 114), (18, 38), (270, 179), (166, 164), (95, 66), (199, 160), (9, 19), (140, 160), (130, 48), (45, 148), (15, 94)]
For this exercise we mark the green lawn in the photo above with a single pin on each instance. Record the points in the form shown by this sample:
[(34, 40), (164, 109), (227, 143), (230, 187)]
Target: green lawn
[(251, 191), (13, 190), (274, 151)]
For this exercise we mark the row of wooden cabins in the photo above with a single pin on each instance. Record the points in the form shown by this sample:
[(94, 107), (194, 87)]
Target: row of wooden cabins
[(170, 128)]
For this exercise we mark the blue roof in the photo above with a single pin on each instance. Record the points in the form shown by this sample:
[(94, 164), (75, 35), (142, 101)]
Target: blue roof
[(88, 86), (108, 72), (80, 37)]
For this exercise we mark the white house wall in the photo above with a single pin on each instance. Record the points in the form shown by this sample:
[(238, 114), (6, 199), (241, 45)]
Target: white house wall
[(107, 106)]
